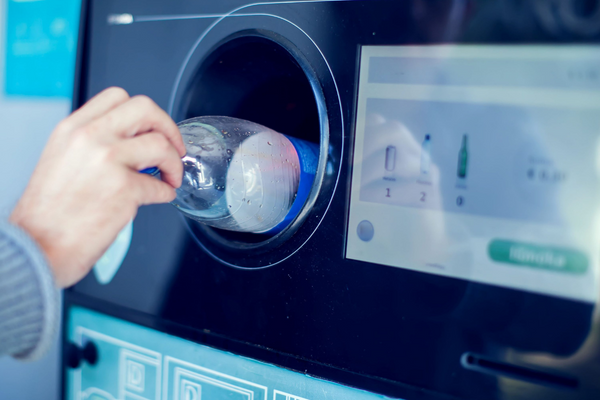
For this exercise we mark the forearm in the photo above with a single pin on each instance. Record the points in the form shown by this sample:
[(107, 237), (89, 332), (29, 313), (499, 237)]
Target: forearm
[(29, 299)]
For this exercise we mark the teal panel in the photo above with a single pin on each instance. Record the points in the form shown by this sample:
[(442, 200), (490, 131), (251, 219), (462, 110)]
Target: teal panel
[(41, 41), (139, 363)]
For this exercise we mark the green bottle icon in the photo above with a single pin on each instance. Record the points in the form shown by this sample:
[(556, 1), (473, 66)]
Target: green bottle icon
[(463, 158)]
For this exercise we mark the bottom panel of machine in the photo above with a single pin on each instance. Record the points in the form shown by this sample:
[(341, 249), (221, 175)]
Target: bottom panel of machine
[(161, 366)]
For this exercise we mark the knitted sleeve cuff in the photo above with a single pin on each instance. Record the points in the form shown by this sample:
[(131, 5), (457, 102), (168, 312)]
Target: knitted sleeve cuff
[(29, 299)]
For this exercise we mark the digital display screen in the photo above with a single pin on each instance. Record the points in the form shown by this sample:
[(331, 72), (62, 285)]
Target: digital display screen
[(480, 163)]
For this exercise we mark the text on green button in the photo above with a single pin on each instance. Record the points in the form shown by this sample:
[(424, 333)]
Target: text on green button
[(535, 256)]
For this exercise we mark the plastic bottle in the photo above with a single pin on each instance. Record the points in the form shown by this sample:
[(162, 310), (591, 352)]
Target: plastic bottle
[(242, 176)]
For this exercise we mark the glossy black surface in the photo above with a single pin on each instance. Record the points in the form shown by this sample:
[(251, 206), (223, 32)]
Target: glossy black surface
[(384, 329)]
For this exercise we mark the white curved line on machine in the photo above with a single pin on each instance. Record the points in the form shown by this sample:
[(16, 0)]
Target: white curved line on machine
[(155, 18), (178, 80)]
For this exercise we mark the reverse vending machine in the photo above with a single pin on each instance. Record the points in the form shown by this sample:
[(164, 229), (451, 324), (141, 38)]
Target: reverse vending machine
[(449, 246)]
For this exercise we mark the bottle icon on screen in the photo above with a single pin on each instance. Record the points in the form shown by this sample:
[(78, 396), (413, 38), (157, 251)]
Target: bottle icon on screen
[(463, 159), (426, 155)]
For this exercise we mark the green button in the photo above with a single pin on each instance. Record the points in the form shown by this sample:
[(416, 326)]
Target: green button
[(551, 258)]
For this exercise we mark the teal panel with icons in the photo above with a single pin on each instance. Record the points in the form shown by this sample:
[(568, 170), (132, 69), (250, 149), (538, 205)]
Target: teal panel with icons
[(135, 362), (41, 42)]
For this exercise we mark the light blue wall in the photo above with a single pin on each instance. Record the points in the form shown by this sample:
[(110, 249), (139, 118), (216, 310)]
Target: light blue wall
[(29, 110)]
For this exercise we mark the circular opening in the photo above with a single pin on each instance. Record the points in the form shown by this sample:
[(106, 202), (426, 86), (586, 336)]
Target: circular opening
[(257, 79)]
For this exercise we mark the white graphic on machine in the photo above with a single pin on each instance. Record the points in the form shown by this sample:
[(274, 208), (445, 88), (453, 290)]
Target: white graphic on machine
[(279, 395), (143, 374)]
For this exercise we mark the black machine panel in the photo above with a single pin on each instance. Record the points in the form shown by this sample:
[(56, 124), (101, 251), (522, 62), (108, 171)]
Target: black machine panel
[(303, 299)]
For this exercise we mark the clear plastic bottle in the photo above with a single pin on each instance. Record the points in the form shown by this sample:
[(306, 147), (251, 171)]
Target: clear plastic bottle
[(242, 176)]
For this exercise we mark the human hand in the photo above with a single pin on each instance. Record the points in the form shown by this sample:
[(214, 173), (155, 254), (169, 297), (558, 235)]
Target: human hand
[(86, 186)]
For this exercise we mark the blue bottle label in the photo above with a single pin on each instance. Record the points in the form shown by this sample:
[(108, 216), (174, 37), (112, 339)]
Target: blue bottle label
[(308, 156)]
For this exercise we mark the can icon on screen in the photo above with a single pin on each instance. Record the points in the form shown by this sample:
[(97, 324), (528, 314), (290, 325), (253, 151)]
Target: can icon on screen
[(390, 158)]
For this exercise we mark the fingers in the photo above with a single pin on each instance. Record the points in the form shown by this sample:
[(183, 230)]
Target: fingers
[(139, 115), (149, 150), (152, 191), (97, 106)]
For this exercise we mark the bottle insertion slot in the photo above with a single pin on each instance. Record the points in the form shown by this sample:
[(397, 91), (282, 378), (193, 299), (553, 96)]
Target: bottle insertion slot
[(493, 367)]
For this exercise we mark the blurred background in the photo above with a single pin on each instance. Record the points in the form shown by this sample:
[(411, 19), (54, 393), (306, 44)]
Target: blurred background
[(38, 40)]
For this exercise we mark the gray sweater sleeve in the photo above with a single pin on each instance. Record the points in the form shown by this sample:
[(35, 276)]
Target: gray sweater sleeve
[(29, 299)]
